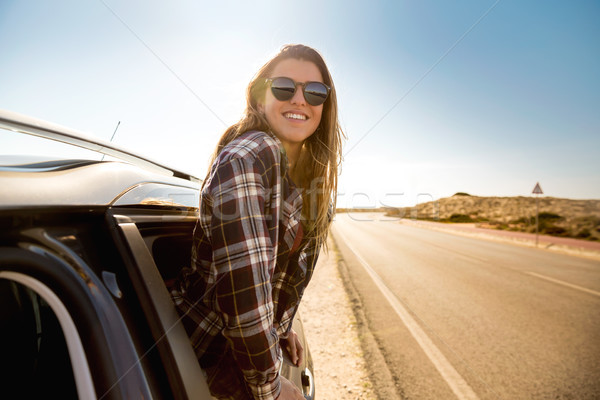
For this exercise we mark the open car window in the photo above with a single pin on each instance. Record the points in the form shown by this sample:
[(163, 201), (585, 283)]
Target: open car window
[(42, 354)]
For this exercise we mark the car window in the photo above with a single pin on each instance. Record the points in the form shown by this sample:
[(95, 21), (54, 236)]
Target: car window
[(16, 143), (34, 357)]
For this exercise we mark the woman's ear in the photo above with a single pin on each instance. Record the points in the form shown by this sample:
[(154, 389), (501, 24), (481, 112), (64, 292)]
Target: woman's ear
[(261, 108)]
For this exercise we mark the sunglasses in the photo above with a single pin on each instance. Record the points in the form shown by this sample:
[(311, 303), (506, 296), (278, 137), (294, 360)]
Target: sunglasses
[(283, 89)]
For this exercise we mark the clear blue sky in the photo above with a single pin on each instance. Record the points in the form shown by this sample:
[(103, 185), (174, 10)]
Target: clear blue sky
[(485, 97)]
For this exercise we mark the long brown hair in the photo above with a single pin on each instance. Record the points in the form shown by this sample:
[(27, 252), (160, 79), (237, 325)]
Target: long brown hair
[(316, 171)]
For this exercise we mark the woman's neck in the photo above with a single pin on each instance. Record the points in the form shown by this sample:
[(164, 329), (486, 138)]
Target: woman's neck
[(292, 151)]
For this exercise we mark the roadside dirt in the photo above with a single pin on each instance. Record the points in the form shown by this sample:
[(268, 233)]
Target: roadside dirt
[(331, 328)]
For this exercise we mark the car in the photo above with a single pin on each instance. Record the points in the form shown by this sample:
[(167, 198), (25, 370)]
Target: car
[(88, 248)]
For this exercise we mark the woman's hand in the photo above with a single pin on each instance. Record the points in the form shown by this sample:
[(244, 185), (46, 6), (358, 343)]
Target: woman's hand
[(291, 344), (289, 391)]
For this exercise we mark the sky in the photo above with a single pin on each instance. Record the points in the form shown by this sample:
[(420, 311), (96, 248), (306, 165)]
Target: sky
[(486, 97)]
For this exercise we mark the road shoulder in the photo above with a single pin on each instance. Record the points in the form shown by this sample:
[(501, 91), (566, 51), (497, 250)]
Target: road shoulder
[(333, 335), (383, 381)]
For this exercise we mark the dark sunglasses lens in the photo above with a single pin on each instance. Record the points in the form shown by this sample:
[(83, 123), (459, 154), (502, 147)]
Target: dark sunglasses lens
[(315, 93), (283, 88)]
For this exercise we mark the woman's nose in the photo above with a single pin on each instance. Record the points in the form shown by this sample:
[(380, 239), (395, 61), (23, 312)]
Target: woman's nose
[(298, 97)]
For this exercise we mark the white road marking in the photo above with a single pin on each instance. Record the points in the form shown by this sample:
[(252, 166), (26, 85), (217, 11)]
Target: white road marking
[(455, 381), (580, 288)]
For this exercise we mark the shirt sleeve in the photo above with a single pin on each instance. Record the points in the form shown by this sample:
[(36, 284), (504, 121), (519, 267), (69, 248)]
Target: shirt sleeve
[(244, 253)]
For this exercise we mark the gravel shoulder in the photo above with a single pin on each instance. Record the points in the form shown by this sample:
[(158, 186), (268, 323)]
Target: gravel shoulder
[(333, 336)]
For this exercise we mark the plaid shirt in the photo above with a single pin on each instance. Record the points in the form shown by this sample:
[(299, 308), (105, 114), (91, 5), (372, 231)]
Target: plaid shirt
[(243, 288)]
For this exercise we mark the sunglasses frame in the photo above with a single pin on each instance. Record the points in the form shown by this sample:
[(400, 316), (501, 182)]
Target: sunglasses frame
[(269, 81)]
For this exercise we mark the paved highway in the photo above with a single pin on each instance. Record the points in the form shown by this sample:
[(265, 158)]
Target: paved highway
[(464, 318)]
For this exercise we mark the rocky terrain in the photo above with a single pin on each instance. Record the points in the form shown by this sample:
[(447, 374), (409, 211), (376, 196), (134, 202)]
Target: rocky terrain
[(558, 217)]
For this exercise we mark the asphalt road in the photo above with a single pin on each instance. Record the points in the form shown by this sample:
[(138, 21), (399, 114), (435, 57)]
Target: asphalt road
[(458, 317)]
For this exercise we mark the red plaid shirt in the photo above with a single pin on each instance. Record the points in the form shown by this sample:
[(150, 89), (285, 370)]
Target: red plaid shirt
[(243, 288)]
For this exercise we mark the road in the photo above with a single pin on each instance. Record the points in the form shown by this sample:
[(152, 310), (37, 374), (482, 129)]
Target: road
[(463, 318)]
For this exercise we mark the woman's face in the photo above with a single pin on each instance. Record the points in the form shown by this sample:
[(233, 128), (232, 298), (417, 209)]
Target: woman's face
[(294, 120)]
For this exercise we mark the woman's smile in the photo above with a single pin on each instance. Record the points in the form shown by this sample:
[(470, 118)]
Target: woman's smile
[(295, 116)]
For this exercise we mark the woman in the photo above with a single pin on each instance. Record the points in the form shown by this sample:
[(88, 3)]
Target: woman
[(265, 210)]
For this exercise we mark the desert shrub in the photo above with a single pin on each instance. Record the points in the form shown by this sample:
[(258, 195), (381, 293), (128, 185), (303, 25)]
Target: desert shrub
[(522, 220), (460, 218), (461, 194), (584, 233), (549, 217), (555, 230)]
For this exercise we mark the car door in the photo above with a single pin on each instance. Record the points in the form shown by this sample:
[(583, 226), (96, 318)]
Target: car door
[(62, 334)]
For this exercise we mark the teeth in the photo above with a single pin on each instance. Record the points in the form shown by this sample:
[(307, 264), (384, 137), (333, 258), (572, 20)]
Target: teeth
[(295, 116)]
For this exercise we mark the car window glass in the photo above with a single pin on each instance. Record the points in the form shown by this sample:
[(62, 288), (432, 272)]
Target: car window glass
[(34, 359), (16, 143)]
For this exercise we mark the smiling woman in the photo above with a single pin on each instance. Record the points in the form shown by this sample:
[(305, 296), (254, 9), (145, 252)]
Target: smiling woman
[(265, 210)]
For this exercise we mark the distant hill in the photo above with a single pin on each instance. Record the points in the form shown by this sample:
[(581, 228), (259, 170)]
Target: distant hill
[(558, 217)]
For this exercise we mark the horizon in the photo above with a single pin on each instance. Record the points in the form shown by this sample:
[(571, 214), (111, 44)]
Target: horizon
[(469, 195)]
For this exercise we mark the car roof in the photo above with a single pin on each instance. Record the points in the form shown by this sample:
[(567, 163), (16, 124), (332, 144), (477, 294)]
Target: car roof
[(40, 181), (48, 130)]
